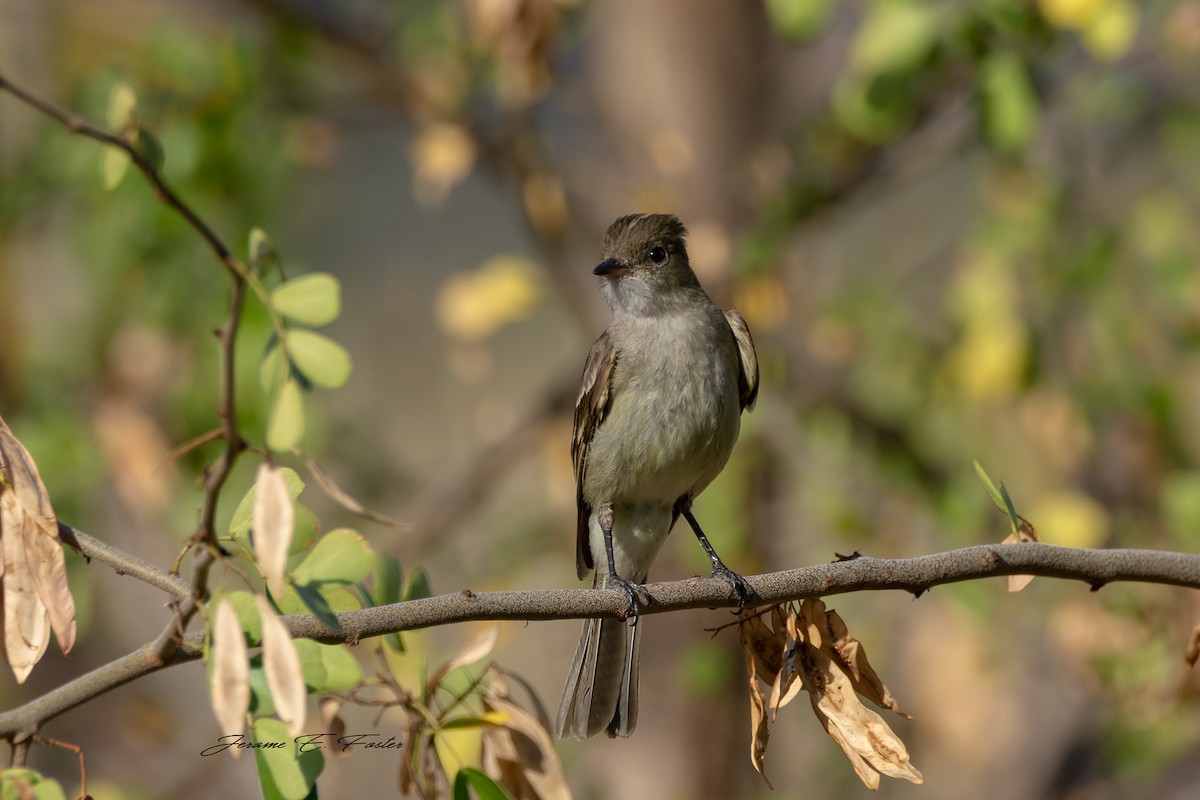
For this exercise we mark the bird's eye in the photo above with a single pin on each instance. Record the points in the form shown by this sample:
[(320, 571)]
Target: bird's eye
[(658, 254)]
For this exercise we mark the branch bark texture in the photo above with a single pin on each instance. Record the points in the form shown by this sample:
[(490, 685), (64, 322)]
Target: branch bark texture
[(857, 574)]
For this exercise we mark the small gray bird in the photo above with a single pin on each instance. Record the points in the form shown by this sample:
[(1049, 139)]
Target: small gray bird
[(656, 419)]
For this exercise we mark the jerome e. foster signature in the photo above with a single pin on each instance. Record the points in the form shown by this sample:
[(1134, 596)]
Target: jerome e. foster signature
[(306, 743)]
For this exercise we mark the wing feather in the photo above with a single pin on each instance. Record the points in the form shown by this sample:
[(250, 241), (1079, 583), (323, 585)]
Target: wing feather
[(590, 408), (747, 359)]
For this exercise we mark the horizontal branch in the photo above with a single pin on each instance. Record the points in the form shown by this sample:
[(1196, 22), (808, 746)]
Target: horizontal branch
[(855, 574)]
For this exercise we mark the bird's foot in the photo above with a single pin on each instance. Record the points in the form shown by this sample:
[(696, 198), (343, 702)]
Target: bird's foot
[(635, 594), (738, 585)]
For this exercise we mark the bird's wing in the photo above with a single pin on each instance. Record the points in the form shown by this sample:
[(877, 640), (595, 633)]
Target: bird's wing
[(747, 360), (590, 408)]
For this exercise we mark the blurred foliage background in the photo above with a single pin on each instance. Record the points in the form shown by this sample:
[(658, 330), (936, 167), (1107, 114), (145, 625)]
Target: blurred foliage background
[(958, 231)]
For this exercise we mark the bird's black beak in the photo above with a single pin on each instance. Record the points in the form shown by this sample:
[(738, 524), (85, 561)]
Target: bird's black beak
[(610, 268)]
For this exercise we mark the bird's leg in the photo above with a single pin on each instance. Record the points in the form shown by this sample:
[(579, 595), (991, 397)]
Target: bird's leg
[(635, 593), (736, 582)]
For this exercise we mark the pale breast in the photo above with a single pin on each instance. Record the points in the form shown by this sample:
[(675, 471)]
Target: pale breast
[(674, 414)]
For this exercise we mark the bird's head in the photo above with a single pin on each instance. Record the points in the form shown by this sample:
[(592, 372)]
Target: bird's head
[(645, 266)]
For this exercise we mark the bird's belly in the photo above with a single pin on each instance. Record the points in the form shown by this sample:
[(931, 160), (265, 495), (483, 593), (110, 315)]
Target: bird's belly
[(674, 433)]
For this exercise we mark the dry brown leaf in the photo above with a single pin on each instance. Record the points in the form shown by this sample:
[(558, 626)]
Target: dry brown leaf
[(520, 754), (29, 525), (1025, 533), (1193, 647), (786, 687), (762, 642), (230, 674), (273, 523), (334, 724), (281, 666), (760, 731), (339, 496), (478, 647), (854, 658), (864, 737), (26, 622)]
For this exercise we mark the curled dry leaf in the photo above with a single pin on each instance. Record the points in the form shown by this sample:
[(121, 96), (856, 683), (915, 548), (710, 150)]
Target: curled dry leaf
[(274, 523), (339, 496), (230, 673), (760, 730), (762, 642), (36, 594), (332, 723), (813, 650), (862, 675), (1025, 533), (519, 754), (1192, 654), (281, 665), (864, 737), (26, 623)]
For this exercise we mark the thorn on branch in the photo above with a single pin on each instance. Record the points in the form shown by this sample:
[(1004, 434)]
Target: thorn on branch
[(838, 557)]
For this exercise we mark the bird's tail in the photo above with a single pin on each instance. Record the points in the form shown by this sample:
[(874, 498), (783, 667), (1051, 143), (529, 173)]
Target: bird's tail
[(602, 686)]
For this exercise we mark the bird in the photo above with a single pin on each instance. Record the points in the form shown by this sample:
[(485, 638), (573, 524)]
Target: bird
[(657, 415)]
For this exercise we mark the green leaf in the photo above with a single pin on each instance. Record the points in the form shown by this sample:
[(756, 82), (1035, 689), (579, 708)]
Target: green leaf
[(1010, 108), (992, 491), (310, 299), (320, 359), (286, 425), (114, 164), (388, 580), (148, 147), (485, 788), (1013, 517), (259, 248), (122, 102), (795, 20), (340, 556), (894, 35), (283, 771), (18, 783), (999, 496), (247, 614), (261, 702), (273, 368), (316, 603), (418, 586), (240, 524), (328, 667)]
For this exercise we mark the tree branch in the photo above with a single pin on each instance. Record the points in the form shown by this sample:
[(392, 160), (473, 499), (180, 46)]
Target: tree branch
[(857, 574), (124, 563)]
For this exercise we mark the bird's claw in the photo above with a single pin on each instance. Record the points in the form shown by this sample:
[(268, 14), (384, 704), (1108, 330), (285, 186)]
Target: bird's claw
[(635, 594), (737, 584)]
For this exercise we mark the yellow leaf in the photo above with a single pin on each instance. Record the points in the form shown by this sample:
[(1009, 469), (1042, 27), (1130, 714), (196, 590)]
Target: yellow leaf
[(442, 155), (1109, 34), (473, 306), (1071, 14), (1070, 518)]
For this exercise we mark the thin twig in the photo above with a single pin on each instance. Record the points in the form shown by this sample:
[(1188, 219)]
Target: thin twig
[(124, 563), (218, 473)]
